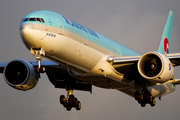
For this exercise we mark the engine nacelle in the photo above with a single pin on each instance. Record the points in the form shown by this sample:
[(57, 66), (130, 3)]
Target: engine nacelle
[(20, 74), (155, 67)]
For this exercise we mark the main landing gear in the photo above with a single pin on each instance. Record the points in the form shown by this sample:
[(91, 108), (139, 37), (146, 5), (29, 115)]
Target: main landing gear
[(70, 101), (144, 98)]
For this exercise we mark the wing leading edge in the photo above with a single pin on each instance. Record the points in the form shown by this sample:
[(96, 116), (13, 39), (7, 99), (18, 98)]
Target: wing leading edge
[(58, 75), (119, 63)]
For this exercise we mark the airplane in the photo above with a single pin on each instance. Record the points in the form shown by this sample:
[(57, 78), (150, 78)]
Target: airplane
[(78, 57)]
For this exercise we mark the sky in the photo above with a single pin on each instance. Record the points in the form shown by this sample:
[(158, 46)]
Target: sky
[(137, 24)]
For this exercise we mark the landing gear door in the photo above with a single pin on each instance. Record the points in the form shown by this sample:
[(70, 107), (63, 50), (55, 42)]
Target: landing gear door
[(60, 26)]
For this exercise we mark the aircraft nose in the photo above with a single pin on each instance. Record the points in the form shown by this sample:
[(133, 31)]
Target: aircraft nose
[(27, 26), (27, 33)]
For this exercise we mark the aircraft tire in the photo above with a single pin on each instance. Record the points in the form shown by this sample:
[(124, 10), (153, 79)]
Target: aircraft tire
[(71, 99), (62, 99), (153, 102), (137, 95), (75, 102), (78, 105), (143, 104), (68, 108), (65, 104)]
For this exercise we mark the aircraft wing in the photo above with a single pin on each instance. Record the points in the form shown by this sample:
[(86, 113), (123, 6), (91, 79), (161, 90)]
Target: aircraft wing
[(123, 63), (35, 63), (2, 66), (58, 75), (174, 58)]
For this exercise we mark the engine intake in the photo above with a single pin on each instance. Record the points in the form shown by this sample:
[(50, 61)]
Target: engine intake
[(20, 74), (155, 67)]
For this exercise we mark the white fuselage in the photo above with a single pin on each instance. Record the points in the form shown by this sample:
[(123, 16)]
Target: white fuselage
[(74, 51)]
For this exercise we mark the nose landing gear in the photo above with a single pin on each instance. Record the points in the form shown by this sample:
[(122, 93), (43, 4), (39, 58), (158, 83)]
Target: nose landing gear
[(39, 52)]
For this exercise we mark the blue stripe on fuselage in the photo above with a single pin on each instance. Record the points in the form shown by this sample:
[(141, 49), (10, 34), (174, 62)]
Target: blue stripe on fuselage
[(50, 20)]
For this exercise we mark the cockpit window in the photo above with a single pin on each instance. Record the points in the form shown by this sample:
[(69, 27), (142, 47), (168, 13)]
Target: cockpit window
[(38, 19), (33, 19), (26, 19), (42, 20)]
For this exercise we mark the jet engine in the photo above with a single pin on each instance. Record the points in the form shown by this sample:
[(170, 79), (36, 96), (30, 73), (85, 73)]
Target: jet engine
[(155, 67), (20, 74)]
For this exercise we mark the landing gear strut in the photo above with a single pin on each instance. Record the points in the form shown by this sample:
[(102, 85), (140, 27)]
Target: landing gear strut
[(39, 52), (144, 98), (70, 101)]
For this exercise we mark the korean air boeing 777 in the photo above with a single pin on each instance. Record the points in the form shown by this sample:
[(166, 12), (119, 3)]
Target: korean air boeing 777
[(80, 57)]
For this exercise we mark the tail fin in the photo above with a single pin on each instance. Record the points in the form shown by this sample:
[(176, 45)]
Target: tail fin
[(165, 44)]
